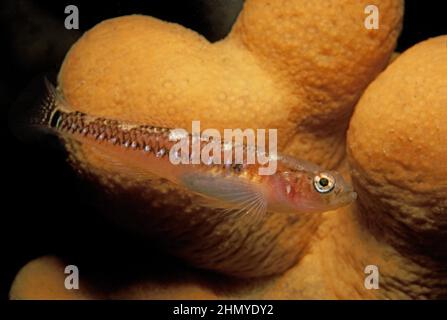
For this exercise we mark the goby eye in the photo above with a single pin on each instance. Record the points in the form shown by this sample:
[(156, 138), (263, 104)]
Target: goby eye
[(324, 182)]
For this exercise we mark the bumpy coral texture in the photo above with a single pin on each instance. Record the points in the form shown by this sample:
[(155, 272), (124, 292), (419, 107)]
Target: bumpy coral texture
[(299, 66)]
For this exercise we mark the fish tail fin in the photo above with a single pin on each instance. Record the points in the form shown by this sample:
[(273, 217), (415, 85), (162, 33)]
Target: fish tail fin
[(42, 115), (35, 110)]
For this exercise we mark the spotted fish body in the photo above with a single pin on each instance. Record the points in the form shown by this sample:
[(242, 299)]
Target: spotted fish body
[(236, 188)]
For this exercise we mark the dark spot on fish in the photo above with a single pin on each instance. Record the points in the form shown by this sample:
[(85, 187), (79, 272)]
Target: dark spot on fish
[(55, 119)]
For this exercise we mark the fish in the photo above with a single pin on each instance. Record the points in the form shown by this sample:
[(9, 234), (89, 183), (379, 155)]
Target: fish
[(296, 187)]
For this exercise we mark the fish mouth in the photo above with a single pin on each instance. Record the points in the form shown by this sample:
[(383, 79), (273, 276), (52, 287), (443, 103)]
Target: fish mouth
[(348, 196), (350, 192)]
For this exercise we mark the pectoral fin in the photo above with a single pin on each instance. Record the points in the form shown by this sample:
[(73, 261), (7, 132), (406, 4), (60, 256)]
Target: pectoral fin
[(232, 195)]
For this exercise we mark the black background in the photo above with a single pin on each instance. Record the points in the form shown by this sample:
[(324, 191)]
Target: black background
[(44, 210)]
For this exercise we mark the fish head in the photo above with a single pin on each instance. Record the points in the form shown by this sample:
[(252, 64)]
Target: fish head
[(315, 190)]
